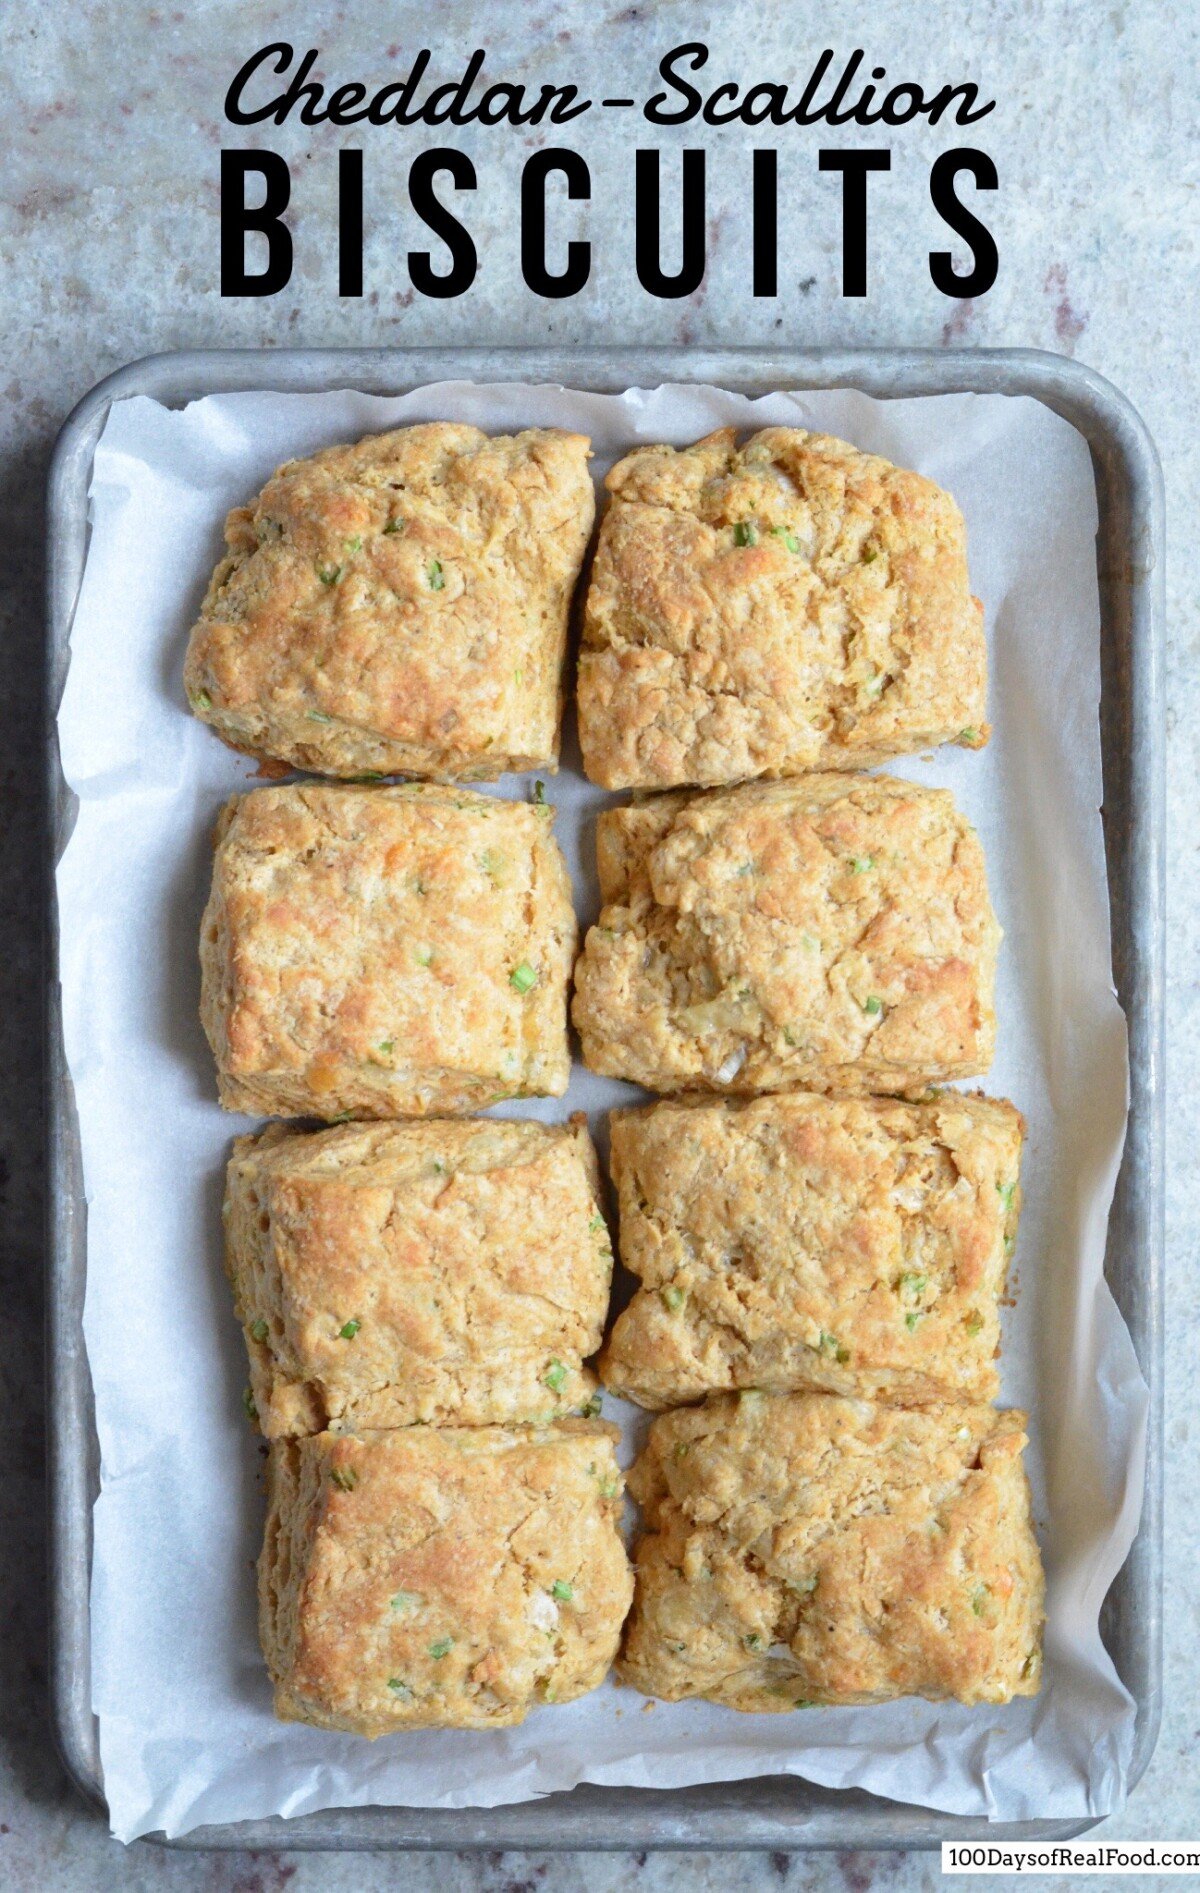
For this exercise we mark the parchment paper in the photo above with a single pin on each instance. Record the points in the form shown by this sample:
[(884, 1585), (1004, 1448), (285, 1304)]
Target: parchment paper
[(186, 1730)]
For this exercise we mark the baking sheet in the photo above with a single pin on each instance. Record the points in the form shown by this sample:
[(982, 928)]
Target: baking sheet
[(185, 1728)]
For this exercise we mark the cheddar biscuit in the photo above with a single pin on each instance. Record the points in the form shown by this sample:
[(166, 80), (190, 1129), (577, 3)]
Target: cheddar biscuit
[(400, 605), (849, 1245), (829, 933), (386, 952), (440, 1579), (761, 610), (809, 1549), (390, 1274)]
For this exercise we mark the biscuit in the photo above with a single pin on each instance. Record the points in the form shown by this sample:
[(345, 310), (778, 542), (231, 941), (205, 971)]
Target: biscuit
[(843, 1245), (395, 1274), (791, 604), (385, 952), (808, 1549), (440, 1579), (830, 933), (399, 606)]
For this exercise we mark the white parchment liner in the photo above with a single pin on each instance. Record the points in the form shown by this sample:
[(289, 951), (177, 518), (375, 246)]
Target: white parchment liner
[(186, 1730)]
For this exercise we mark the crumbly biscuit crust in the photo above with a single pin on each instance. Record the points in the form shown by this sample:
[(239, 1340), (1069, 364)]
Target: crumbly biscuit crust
[(809, 1549), (399, 605), (428, 1578), (833, 932), (761, 610), (446, 1272), (385, 952), (848, 1245)]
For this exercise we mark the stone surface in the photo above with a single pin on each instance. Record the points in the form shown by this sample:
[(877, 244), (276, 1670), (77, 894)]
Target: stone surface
[(108, 240)]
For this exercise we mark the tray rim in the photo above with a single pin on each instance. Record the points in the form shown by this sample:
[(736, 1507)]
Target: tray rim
[(782, 1812)]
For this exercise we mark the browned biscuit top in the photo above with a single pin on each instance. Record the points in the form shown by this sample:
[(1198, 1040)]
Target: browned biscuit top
[(450, 1271), (385, 952), (399, 605), (761, 610), (830, 932), (426, 1578), (851, 1245), (811, 1549)]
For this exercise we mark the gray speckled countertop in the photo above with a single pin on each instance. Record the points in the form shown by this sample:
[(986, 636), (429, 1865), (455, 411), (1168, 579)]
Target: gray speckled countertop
[(108, 241)]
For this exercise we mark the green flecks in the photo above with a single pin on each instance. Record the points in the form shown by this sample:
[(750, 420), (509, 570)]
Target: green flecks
[(319, 716), (968, 735), (870, 554), (523, 977), (913, 1316), (1010, 1243), (435, 576), (1006, 1192), (555, 1377), (402, 1690), (340, 1117), (874, 685), (348, 1332), (787, 535), (752, 1640), (372, 775), (979, 1598), (202, 700), (805, 1586), (682, 1448), (861, 863), (609, 1488), (747, 867), (593, 1408), (354, 545), (912, 1287), (830, 1346), (328, 574), (248, 1404), (745, 533), (872, 1006), (442, 1647), (539, 793), (518, 676), (597, 1225), (805, 1702), (394, 525), (345, 1478), (561, 1591), (259, 1330), (973, 1323), (387, 1047), (494, 863), (423, 955), (672, 1298), (406, 1600)]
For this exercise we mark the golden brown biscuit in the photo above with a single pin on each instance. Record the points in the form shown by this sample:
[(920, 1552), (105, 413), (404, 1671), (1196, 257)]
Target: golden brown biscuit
[(846, 1245), (791, 604), (807, 1549), (399, 606), (385, 952), (440, 1579), (390, 1274), (830, 933)]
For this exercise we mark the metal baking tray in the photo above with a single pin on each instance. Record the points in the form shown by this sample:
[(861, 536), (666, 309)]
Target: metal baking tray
[(780, 1812)]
